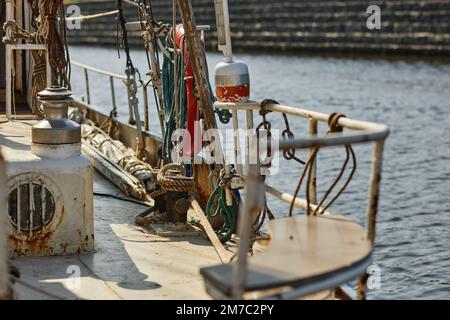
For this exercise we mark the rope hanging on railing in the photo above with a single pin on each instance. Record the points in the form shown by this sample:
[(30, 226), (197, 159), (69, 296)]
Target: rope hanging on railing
[(334, 127), (217, 206)]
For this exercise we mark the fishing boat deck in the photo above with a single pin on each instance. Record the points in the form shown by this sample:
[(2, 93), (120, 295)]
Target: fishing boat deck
[(128, 262)]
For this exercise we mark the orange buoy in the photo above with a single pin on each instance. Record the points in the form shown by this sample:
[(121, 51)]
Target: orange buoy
[(232, 81)]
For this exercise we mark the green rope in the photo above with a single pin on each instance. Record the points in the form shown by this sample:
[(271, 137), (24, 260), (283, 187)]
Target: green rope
[(217, 206), (170, 108)]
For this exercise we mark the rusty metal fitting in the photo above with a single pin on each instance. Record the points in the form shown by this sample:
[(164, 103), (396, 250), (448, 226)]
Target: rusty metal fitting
[(263, 106), (333, 122)]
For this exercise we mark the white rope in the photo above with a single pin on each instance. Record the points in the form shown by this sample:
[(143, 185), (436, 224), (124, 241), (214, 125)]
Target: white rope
[(92, 16)]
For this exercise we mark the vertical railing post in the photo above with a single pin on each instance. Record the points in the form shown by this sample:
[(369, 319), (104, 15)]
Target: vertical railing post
[(48, 68), (8, 58), (86, 79), (113, 97), (249, 118), (312, 187), (374, 194), (237, 142), (9, 93), (255, 195)]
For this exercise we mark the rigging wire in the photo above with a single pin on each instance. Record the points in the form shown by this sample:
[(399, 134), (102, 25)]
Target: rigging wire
[(124, 43)]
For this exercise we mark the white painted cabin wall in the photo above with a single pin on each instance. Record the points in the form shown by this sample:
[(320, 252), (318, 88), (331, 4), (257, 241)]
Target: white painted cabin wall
[(3, 254)]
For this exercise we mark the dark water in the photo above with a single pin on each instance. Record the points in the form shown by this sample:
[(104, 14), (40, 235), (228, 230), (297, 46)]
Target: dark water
[(413, 98)]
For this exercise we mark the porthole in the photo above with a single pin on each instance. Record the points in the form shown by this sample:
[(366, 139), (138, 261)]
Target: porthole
[(34, 206), (31, 206)]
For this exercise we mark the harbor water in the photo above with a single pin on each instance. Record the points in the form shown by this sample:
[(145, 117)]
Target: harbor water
[(413, 97)]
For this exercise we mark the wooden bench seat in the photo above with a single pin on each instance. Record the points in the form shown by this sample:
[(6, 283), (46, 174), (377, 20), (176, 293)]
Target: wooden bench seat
[(306, 253)]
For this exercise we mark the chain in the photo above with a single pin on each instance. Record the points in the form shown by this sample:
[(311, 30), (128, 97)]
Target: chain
[(289, 154), (267, 163)]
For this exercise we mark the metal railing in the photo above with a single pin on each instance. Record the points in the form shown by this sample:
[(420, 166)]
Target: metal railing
[(133, 114), (111, 76), (362, 132), (108, 74)]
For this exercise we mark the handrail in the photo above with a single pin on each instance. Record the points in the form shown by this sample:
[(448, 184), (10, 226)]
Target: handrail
[(366, 132), (307, 114), (99, 71), (111, 76)]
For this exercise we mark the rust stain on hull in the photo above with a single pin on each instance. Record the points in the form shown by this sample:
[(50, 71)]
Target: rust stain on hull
[(36, 244)]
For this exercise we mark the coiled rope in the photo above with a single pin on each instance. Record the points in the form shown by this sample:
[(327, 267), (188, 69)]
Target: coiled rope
[(172, 177)]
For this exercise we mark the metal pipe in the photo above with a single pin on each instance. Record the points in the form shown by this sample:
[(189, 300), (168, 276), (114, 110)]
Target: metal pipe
[(250, 127), (333, 140), (113, 96), (374, 189), (312, 187), (99, 71), (8, 58), (286, 197), (9, 93), (86, 79), (49, 68), (253, 203), (374, 193), (9, 49), (237, 143), (307, 114)]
